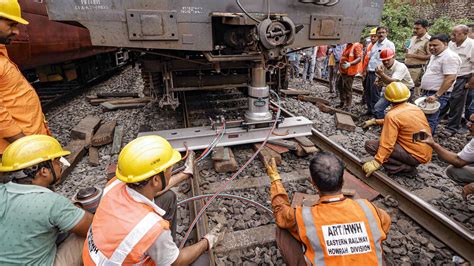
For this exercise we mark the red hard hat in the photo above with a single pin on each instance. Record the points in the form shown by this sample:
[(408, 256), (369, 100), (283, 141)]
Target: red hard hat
[(386, 54)]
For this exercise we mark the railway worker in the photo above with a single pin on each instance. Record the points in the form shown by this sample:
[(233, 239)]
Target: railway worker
[(373, 91), (32, 216), (438, 81), (309, 59), (327, 228), (461, 169), (463, 46), (348, 67), (20, 108), (390, 71), (418, 52), (129, 205), (294, 58), (396, 150), (365, 63)]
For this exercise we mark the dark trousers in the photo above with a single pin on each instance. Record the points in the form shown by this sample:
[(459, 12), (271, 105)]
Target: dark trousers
[(433, 119), (457, 103), (372, 91), (344, 85), (291, 249), (167, 201), (332, 71), (400, 161), (469, 104)]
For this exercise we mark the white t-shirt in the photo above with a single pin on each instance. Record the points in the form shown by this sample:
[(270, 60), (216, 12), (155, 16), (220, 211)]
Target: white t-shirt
[(467, 153), (446, 63), (164, 251), (466, 53), (399, 71)]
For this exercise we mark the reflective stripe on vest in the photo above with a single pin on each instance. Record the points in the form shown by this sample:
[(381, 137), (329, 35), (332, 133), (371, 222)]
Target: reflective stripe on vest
[(313, 237), (109, 187), (127, 244), (374, 228)]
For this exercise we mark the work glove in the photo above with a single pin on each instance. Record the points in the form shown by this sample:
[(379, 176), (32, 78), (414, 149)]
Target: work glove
[(189, 164), (346, 65), (369, 123), (214, 236), (272, 170), (370, 167)]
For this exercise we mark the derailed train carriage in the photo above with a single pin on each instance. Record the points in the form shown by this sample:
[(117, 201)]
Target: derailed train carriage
[(210, 45), (48, 51)]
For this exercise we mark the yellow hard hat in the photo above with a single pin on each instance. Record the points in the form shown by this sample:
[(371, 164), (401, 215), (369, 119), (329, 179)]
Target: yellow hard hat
[(10, 9), (145, 157), (30, 150), (373, 31), (397, 92)]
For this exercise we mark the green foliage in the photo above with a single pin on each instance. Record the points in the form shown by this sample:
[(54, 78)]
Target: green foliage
[(445, 24), (399, 18)]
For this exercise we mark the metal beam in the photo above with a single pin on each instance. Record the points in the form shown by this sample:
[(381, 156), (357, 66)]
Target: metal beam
[(197, 138)]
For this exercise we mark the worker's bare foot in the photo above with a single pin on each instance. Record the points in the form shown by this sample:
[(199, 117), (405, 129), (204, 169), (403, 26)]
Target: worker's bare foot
[(467, 190)]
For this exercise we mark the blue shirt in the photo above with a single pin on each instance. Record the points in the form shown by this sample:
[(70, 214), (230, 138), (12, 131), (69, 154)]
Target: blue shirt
[(375, 53), (338, 51), (31, 217)]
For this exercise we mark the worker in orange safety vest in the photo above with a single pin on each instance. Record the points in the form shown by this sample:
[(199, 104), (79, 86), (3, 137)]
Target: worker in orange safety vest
[(334, 231), (348, 67), (128, 227), (20, 107), (365, 62)]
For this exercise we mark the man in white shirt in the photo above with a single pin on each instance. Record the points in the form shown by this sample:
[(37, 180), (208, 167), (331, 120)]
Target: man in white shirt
[(462, 45), (390, 71), (461, 169), (373, 91), (438, 81)]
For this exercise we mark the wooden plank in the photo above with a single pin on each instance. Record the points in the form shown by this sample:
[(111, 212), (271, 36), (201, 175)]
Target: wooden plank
[(110, 170), (117, 94), (293, 92), (289, 144), (220, 154), (277, 148), (313, 99), (331, 110), (117, 143), (345, 122), (130, 101), (105, 134), (77, 149), (266, 154), (103, 100), (246, 238), (85, 129), (94, 156), (225, 166), (304, 141), (112, 107), (300, 151)]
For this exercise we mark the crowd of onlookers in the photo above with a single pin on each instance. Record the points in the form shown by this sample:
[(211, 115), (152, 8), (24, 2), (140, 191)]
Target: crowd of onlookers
[(433, 80)]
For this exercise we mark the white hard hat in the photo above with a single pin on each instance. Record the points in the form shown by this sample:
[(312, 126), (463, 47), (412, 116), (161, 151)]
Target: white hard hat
[(426, 107)]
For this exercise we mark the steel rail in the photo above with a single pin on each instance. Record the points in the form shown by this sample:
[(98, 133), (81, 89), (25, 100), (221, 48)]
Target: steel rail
[(451, 233)]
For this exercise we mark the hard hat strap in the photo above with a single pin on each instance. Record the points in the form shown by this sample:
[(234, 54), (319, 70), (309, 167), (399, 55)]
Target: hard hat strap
[(163, 180)]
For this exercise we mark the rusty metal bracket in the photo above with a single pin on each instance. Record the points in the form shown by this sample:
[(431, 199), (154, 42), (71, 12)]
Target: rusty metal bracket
[(152, 25), (325, 27)]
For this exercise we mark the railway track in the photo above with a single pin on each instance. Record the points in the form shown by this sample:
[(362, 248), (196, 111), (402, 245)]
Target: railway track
[(244, 236), (54, 93)]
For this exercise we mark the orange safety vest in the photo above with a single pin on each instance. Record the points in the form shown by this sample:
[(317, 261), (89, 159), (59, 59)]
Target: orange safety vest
[(20, 106), (366, 58), (122, 230), (342, 232), (349, 56)]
